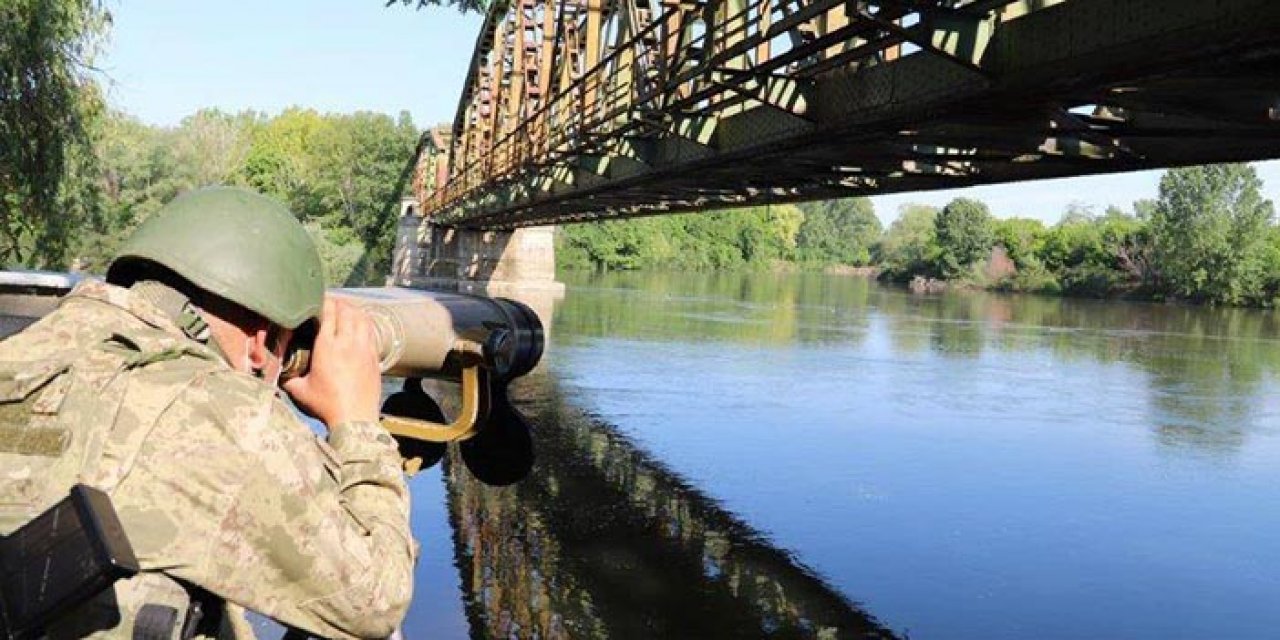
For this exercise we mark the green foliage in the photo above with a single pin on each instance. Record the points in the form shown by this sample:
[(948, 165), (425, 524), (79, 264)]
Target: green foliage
[(1077, 213), (1210, 237), (1271, 265), (815, 234), (1032, 277), (909, 247), (838, 232), (1073, 242), (965, 233), (338, 253), (1209, 230), (1126, 241), (284, 157), (1091, 279), (751, 238), (339, 173), (1022, 238), (768, 234), (140, 167), (1144, 209), (48, 105), (209, 147), (614, 245), (1096, 255)]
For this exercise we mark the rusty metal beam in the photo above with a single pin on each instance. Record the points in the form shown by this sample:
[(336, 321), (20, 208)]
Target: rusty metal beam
[(578, 109)]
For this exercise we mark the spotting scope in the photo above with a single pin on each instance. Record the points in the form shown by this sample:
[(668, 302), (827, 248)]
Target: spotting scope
[(436, 334), (481, 343)]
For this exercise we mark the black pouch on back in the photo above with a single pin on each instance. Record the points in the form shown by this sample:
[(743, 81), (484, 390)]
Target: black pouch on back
[(65, 556)]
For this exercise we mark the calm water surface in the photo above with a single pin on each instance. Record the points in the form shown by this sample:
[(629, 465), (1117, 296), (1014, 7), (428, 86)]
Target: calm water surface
[(808, 456)]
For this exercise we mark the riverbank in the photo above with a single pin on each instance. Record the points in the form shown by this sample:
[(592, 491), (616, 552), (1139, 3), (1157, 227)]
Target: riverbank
[(1003, 280), (1118, 292)]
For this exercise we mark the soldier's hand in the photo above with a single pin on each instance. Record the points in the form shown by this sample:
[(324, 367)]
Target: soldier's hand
[(345, 382)]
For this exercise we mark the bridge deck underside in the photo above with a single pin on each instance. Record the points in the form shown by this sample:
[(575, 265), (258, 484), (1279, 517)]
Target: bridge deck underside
[(1081, 87)]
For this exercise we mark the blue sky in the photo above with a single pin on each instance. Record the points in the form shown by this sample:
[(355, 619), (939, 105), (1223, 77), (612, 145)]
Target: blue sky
[(167, 59)]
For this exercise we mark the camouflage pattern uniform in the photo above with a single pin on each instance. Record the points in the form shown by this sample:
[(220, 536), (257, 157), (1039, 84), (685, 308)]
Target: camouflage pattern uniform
[(217, 482)]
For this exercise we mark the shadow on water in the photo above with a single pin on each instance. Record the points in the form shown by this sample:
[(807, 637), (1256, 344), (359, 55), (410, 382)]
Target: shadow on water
[(604, 541)]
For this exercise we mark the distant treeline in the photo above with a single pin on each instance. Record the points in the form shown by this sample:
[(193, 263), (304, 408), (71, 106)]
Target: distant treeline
[(76, 177), (1208, 237), (813, 234), (341, 174)]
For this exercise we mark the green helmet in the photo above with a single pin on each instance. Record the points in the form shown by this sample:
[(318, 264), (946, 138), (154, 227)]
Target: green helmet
[(235, 244)]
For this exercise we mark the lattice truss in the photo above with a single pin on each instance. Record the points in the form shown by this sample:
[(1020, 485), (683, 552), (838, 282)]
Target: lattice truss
[(582, 109)]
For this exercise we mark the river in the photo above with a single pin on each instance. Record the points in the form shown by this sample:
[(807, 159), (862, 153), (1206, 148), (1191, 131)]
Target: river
[(780, 455)]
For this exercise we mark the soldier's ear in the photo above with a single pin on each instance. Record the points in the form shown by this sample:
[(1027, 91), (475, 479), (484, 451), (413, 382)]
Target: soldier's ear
[(259, 348)]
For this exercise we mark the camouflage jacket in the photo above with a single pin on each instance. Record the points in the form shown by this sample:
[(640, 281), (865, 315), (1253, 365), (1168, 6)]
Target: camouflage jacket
[(217, 482)]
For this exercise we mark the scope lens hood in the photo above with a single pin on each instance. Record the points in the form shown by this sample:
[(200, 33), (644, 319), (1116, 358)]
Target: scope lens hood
[(522, 347)]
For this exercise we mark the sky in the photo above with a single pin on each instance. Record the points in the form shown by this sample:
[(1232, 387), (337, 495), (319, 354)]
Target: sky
[(166, 59)]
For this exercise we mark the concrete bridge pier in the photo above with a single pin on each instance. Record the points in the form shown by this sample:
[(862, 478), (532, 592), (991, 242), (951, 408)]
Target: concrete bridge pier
[(516, 264)]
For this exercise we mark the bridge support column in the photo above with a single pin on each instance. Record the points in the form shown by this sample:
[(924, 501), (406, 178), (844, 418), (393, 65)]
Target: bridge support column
[(503, 263)]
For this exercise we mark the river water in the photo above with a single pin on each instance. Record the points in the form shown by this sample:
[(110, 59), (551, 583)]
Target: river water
[(800, 456)]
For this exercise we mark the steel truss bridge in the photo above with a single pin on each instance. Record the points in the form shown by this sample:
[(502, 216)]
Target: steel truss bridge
[(577, 110)]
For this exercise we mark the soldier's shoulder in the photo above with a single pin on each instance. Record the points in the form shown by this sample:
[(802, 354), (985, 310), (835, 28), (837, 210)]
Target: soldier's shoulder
[(246, 408), (68, 328)]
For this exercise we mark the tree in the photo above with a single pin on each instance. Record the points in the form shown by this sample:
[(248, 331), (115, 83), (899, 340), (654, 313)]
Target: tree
[(613, 244), (48, 102), (360, 165), (209, 146), (1143, 209), (768, 234), (1022, 238), (754, 237), (1128, 242), (838, 231), (1115, 213), (965, 234), (1209, 233), (1078, 212), (1073, 242), (342, 172), (141, 167), (133, 165), (909, 246), (282, 160)]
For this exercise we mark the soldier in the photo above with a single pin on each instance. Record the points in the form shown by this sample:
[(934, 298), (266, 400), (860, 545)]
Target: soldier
[(160, 388)]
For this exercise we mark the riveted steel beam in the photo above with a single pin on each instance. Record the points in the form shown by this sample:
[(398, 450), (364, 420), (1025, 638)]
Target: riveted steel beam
[(580, 109)]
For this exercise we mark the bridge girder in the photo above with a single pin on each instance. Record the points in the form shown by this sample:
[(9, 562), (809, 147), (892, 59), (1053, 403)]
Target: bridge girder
[(588, 109)]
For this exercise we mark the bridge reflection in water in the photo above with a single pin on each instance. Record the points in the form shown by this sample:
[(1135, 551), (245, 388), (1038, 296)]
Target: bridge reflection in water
[(604, 541)]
